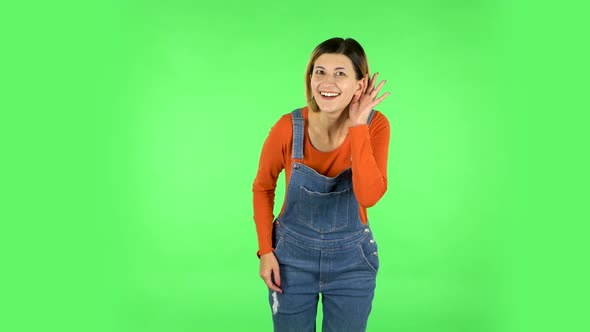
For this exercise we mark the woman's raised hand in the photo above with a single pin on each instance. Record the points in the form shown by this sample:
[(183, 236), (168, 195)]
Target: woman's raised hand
[(361, 105)]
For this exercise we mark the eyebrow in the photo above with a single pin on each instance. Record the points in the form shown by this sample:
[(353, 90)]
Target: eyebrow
[(337, 68)]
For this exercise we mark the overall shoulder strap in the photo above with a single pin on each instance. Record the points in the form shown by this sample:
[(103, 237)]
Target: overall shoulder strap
[(298, 131), (370, 118)]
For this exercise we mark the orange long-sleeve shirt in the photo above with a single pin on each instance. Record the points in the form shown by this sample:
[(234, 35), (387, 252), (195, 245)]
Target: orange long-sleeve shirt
[(368, 145)]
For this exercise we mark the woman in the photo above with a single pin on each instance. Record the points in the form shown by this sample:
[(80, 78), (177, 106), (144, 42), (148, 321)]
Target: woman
[(334, 153)]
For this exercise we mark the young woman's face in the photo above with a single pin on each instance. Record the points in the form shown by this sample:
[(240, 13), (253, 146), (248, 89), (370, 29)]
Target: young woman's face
[(333, 82)]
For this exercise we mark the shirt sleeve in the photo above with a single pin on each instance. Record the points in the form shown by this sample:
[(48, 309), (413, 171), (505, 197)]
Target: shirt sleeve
[(370, 148), (271, 164)]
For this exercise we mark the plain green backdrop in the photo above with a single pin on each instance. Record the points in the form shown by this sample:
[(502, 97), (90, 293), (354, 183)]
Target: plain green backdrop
[(132, 132)]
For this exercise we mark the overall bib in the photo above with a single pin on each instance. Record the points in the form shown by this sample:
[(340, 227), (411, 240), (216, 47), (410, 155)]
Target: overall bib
[(322, 247)]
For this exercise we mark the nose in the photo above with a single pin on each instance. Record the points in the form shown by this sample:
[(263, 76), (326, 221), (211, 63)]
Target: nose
[(328, 79)]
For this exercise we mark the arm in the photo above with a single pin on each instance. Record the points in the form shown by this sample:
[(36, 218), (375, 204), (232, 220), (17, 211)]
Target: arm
[(370, 147), (270, 166)]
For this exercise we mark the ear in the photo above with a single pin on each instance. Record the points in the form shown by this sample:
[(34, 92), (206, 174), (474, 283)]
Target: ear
[(362, 86)]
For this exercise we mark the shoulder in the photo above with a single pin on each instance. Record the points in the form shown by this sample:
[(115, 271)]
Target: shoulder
[(379, 121), (285, 122), (282, 131)]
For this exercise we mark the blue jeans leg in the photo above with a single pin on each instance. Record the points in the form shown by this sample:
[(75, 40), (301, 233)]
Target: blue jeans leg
[(293, 312), (344, 313), (348, 287)]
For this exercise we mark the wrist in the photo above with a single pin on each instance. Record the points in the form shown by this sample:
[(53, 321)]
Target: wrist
[(359, 124), (264, 253), (357, 121)]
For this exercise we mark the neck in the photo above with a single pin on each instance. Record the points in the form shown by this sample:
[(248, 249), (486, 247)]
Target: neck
[(334, 124)]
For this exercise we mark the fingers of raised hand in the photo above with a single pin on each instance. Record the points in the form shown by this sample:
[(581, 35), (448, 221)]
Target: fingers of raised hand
[(380, 99), (369, 97), (375, 91), (371, 82)]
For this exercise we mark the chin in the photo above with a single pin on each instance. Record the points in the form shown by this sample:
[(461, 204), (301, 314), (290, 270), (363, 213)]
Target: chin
[(331, 108)]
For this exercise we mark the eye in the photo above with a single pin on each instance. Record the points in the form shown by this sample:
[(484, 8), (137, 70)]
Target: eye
[(319, 72), (340, 73)]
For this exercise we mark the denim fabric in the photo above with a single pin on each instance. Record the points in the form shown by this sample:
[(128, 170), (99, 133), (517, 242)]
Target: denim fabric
[(322, 248)]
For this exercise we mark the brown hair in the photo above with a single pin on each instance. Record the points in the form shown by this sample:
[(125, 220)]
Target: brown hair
[(349, 47)]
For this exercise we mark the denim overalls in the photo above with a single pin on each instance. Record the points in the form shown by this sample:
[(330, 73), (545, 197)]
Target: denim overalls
[(322, 247)]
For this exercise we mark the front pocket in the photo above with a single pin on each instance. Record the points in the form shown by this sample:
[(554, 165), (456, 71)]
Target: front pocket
[(278, 246), (324, 212), (368, 253)]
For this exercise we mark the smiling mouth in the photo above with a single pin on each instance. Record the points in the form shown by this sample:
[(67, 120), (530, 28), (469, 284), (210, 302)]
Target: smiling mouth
[(329, 94)]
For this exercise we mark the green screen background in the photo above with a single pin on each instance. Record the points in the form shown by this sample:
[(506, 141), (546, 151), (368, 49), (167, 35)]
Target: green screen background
[(132, 132)]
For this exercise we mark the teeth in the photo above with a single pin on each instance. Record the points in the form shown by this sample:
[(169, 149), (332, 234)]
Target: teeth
[(329, 94)]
